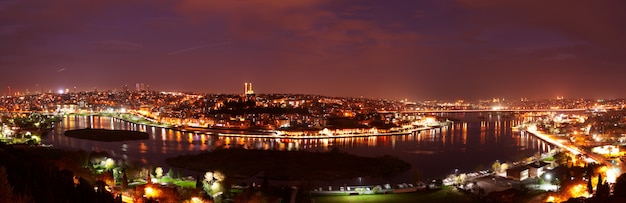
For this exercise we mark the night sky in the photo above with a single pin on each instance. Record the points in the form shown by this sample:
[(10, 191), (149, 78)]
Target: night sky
[(420, 50)]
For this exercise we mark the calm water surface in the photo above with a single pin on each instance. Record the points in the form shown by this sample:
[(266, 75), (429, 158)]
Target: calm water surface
[(471, 143)]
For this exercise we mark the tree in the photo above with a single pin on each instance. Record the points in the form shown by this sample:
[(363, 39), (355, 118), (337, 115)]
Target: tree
[(208, 177), (504, 167), (599, 183), (561, 158), (461, 178), (109, 164), (219, 176), (198, 182), (170, 173), (377, 189), (589, 187), (124, 180), (496, 167), (620, 186), (556, 182), (158, 172), (149, 178), (604, 190), (142, 173)]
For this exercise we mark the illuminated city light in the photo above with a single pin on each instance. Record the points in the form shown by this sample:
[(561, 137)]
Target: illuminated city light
[(606, 150), (151, 192), (612, 174), (403, 123), (579, 190), (196, 200)]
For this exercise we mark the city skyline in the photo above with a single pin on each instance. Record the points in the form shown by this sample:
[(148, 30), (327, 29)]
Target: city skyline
[(416, 50)]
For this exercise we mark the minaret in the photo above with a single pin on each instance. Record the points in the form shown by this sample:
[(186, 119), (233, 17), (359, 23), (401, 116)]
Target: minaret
[(248, 89)]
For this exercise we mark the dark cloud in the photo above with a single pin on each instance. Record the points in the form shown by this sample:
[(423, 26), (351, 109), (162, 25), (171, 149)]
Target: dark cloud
[(599, 22), (407, 49)]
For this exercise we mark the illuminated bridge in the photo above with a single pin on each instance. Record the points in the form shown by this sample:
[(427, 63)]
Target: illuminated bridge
[(484, 110)]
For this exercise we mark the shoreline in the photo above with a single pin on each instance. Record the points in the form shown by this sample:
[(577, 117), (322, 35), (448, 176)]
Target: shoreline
[(257, 134), (282, 139)]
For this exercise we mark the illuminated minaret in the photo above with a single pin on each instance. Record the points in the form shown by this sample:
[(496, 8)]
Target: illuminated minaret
[(247, 89)]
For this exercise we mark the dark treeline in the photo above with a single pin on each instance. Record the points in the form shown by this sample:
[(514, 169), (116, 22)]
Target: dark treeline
[(33, 178), (291, 165)]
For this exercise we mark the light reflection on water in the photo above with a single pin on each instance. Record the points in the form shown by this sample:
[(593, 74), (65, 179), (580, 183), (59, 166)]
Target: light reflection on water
[(467, 145)]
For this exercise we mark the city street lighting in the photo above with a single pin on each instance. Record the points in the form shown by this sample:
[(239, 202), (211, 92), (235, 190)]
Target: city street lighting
[(150, 192)]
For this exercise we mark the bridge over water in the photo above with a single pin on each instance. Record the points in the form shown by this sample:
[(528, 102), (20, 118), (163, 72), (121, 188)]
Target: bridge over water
[(484, 110)]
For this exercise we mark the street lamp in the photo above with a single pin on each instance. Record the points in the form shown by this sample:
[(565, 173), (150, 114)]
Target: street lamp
[(150, 192), (196, 200)]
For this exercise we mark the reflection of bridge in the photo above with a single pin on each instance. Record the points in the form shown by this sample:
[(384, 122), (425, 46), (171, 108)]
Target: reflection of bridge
[(484, 110)]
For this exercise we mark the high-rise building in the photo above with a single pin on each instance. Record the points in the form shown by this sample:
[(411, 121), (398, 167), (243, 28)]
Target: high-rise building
[(247, 89), (141, 87), (9, 91)]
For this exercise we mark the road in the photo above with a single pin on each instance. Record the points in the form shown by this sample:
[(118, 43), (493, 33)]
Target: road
[(571, 147), (482, 110), (532, 129)]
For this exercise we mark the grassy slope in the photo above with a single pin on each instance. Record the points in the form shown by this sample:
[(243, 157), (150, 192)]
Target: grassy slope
[(444, 196)]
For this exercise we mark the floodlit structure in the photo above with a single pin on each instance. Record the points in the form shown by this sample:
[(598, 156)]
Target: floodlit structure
[(532, 170), (536, 169), (518, 173), (247, 89), (607, 150)]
